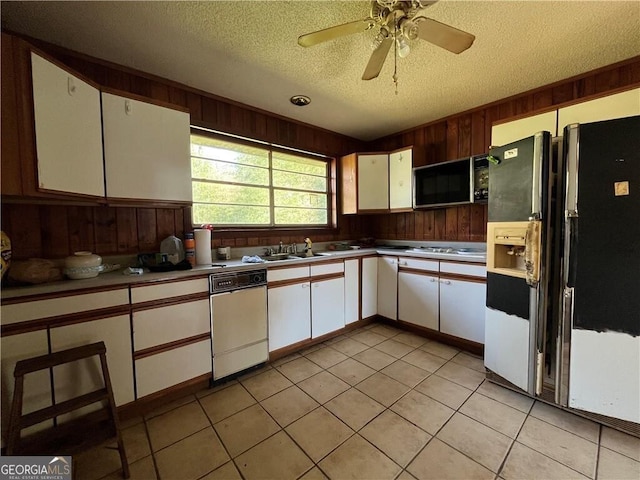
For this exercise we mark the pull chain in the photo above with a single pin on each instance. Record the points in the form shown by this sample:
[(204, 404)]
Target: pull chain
[(395, 57)]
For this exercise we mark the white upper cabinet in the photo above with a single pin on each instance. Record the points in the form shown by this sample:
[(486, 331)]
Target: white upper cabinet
[(146, 150), (373, 182), (68, 131), (400, 174), (619, 105), (525, 127)]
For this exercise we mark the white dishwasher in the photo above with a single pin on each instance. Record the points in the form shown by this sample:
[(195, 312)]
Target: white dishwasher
[(238, 321)]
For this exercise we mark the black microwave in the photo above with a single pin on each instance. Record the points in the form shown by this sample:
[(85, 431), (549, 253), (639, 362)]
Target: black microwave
[(451, 183)]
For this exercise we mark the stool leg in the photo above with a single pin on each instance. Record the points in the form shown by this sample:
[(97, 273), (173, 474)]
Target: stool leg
[(114, 416), (16, 415)]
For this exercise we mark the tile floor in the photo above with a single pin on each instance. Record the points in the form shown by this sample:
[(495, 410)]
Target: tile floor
[(375, 403)]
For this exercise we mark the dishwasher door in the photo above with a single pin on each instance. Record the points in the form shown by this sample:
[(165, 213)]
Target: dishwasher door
[(239, 330)]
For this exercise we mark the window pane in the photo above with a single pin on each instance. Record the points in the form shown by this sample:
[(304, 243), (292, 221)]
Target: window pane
[(299, 181), (229, 194), (285, 198), (292, 163), (300, 216), (230, 214), (228, 172), (215, 149)]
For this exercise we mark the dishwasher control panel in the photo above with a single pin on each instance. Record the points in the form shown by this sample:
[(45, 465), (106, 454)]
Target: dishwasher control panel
[(229, 281)]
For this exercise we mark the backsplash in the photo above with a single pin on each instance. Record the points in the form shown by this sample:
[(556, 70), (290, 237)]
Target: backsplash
[(55, 231)]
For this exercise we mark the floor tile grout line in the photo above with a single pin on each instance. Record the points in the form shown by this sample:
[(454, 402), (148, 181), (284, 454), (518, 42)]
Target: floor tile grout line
[(513, 441), (535, 400), (599, 449)]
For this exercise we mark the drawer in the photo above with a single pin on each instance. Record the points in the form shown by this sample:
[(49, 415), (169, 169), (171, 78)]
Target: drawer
[(464, 269), (166, 369), (327, 268), (53, 307), (161, 291), (279, 274), (417, 264), (157, 326)]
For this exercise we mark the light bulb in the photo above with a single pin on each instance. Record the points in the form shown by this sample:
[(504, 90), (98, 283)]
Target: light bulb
[(403, 46)]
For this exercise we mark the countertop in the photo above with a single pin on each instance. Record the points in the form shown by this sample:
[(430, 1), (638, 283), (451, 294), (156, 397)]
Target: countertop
[(117, 278)]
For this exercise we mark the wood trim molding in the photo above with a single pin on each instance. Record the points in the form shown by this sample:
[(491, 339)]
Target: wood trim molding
[(426, 273), (292, 281), (467, 345), (165, 347), (135, 202), (66, 293), (64, 67), (466, 278), (329, 276), (154, 400), (62, 320), (149, 283), (141, 98), (166, 302)]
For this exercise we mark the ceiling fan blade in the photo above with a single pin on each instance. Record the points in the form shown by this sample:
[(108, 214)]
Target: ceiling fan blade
[(442, 35), (330, 33), (377, 59)]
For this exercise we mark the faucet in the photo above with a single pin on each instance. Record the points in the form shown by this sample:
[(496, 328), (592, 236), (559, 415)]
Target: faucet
[(281, 247)]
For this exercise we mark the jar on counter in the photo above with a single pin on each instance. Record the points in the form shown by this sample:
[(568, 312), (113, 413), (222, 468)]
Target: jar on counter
[(190, 248)]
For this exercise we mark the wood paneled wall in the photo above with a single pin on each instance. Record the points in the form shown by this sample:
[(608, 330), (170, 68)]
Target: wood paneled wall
[(53, 231), (469, 133)]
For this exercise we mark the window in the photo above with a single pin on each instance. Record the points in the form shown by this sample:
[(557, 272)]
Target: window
[(253, 185)]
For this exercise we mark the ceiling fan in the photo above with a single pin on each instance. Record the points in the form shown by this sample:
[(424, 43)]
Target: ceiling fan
[(397, 21)]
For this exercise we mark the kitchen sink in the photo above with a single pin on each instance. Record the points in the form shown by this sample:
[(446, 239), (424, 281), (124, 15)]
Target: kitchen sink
[(291, 256)]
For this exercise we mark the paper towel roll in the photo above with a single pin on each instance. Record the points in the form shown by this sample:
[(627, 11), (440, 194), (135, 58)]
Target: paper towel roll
[(203, 246)]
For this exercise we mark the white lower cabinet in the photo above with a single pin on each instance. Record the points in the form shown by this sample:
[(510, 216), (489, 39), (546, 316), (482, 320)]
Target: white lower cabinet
[(388, 287), (289, 314), (327, 306), (37, 385), (369, 301), (462, 309), (351, 291), (77, 378), (418, 299)]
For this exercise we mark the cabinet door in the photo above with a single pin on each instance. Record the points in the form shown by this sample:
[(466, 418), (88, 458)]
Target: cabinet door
[(373, 182), (77, 378), (37, 385), (624, 104), (171, 367), (327, 306), (523, 128), (462, 309), (400, 177), (289, 313), (351, 291), (388, 287), (68, 131), (418, 299), (349, 184), (369, 306), (146, 150)]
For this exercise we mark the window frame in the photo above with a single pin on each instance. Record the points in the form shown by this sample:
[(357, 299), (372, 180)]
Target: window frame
[(331, 195)]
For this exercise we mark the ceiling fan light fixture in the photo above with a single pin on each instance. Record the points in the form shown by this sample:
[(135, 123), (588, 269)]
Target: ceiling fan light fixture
[(403, 46), (300, 100)]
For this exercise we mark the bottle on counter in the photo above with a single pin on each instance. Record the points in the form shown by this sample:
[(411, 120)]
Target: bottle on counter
[(190, 248)]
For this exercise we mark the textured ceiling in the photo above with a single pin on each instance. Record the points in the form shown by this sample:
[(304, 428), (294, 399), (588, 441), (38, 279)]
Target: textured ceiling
[(247, 51)]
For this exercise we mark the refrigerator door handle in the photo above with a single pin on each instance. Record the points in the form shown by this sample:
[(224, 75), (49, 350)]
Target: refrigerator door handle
[(532, 252), (564, 348)]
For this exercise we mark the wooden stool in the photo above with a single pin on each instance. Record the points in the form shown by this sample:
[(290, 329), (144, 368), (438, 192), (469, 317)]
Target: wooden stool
[(76, 435)]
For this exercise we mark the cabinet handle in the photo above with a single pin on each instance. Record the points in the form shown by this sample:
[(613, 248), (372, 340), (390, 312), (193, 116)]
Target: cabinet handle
[(432, 280), (71, 86), (446, 282), (304, 285)]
